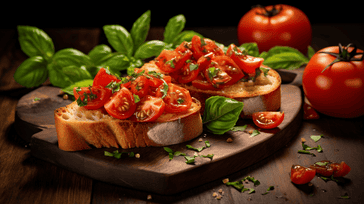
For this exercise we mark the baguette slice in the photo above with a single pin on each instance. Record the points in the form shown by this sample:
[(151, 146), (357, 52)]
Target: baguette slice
[(79, 129), (262, 95)]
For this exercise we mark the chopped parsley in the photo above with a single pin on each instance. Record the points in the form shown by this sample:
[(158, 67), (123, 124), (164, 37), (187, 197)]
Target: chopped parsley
[(117, 154), (255, 133), (239, 128), (316, 138)]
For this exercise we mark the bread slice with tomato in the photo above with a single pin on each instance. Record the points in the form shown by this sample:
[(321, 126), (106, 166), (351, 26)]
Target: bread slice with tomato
[(136, 111), (205, 70)]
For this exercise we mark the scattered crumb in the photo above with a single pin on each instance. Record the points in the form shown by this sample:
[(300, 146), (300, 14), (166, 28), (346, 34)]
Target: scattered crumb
[(204, 135), (303, 140), (61, 92), (218, 197), (137, 155), (225, 180), (149, 197), (200, 140), (250, 198), (310, 184), (250, 131), (214, 194), (229, 140), (65, 96)]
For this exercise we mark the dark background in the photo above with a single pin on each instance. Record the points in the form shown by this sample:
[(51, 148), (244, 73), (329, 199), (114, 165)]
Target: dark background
[(60, 14)]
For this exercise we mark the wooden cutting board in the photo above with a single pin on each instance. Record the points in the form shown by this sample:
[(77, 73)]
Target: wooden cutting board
[(153, 171)]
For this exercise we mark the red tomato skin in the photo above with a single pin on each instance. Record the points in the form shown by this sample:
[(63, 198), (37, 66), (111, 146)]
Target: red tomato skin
[(149, 104), (339, 90), (291, 27), (117, 101), (302, 175), (103, 78), (340, 170), (103, 95), (273, 119)]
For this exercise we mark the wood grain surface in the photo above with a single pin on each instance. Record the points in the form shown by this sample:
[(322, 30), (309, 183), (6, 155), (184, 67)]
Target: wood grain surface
[(27, 179)]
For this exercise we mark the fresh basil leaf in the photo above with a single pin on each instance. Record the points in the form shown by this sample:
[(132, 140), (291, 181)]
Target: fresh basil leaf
[(149, 49), (32, 72), (75, 73), (57, 77), (100, 54), (140, 29), (83, 83), (221, 114), (196, 149), (286, 60), (70, 56), (117, 63), (174, 26), (237, 184), (119, 38), (251, 49), (35, 42), (186, 35)]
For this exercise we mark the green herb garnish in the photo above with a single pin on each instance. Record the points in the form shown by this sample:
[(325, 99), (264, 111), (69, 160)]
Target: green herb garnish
[(118, 154), (316, 138), (269, 189), (255, 133), (239, 128)]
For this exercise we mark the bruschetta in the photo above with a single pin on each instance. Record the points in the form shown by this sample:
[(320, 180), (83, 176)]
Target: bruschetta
[(206, 70), (135, 111)]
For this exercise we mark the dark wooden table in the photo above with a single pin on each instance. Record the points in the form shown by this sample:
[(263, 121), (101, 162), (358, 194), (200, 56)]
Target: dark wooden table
[(25, 179)]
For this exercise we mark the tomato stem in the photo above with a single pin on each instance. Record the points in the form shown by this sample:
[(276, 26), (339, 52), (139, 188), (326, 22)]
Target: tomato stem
[(344, 55), (269, 13)]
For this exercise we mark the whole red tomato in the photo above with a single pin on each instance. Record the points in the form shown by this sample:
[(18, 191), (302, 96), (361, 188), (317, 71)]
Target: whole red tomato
[(336, 88), (275, 25)]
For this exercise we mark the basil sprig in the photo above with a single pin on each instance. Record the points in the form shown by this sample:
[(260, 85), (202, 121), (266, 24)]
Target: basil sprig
[(63, 67), (221, 114)]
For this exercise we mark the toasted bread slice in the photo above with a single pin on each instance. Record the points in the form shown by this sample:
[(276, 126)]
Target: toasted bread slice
[(79, 129), (262, 95)]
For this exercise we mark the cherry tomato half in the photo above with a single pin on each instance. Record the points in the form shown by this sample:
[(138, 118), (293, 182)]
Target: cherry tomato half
[(140, 86), (187, 73), (275, 25), (172, 61), (268, 120), (97, 96), (177, 99), (103, 78), (148, 109), (302, 175), (323, 168), (340, 170), (121, 105)]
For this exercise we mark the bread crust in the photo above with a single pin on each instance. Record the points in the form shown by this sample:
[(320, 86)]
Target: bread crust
[(79, 129), (255, 98)]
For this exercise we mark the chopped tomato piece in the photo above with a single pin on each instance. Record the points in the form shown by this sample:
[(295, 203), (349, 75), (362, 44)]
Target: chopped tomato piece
[(230, 67), (309, 113), (91, 97), (148, 109), (140, 86), (203, 46), (177, 99), (268, 120), (201, 83), (323, 168), (302, 175), (172, 61), (246, 62), (103, 78), (216, 76), (121, 105), (188, 72), (340, 170)]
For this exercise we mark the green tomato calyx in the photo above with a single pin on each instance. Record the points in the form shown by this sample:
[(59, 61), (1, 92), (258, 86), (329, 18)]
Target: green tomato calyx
[(345, 55)]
